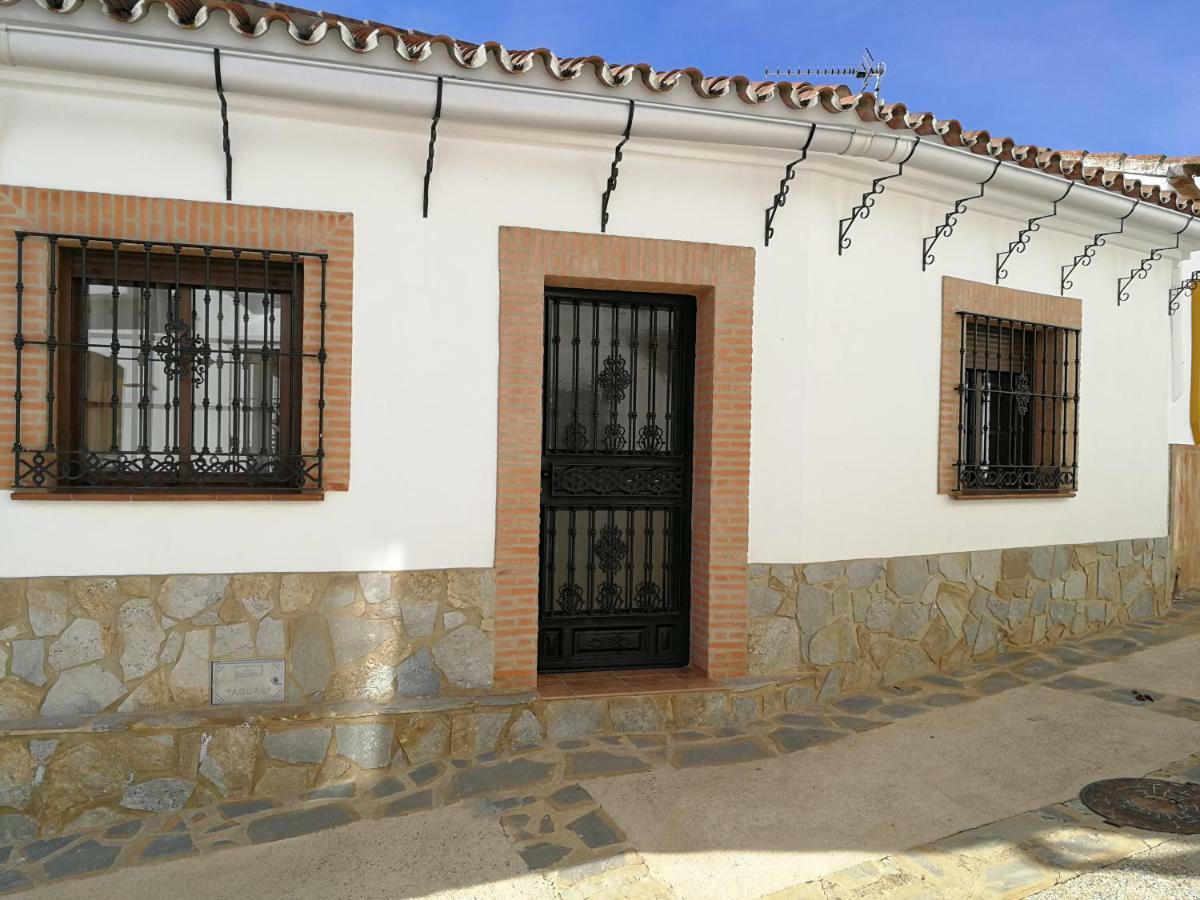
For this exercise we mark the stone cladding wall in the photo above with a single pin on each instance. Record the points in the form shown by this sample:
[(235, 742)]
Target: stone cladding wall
[(868, 622), (85, 646)]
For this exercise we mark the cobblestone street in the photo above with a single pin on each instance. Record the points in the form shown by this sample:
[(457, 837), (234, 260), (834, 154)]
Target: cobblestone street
[(946, 786)]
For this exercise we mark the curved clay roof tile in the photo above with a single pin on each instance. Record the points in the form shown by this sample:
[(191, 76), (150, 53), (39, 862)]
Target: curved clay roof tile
[(253, 18)]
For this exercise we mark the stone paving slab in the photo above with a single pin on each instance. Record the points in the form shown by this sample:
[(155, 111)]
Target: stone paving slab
[(1173, 669), (876, 793), (1024, 855), (457, 853), (929, 744)]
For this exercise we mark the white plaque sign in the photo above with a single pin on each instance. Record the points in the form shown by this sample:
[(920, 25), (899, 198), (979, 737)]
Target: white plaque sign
[(247, 681)]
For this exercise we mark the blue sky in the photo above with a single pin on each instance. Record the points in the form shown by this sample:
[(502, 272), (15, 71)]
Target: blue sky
[(1100, 75)]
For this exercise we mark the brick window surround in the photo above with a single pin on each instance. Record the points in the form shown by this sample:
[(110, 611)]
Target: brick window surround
[(183, 221), (721, 278), (959, 295)]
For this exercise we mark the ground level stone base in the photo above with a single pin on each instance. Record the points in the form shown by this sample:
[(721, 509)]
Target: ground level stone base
[(85, 772), (561, 812), (81, 646), (868, 622)]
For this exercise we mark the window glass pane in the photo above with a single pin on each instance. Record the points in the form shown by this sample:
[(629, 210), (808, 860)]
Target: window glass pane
[(244, 411), (127, 400)]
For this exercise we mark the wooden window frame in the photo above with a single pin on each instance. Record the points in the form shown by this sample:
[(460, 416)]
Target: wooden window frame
[(131, 269)]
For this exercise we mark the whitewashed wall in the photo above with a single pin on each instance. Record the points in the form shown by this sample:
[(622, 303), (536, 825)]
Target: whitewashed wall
[(1179, 424), (846, 349)]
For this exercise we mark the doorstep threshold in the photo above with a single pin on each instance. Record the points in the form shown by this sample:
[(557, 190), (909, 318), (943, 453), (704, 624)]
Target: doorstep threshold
[(623, 683)]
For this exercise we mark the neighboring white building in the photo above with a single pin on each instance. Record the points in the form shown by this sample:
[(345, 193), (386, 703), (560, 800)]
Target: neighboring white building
[(831, 378)]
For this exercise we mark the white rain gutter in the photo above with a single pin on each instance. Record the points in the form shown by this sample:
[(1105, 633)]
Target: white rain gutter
[(478, 99)]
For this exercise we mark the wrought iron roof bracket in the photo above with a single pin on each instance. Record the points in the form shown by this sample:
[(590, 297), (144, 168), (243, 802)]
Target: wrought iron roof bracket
[(1188, 284), (784, 186), (1089, 251), (614, 171), (947, 227), (863, 209), (1142, 269), (1025, 235), (225, 145), (433, 125)]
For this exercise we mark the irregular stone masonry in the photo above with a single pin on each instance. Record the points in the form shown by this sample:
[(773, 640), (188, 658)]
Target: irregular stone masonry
[(143, 644), (552, 821), (869, 622)]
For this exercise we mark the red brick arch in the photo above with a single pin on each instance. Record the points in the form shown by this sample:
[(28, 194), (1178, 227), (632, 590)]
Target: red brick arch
[(722, 280)]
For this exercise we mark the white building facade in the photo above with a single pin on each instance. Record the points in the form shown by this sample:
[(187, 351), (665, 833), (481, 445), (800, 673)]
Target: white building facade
[(830, 539)]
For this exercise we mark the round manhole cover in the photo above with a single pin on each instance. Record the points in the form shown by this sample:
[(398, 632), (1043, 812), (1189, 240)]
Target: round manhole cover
[(1145, 803)]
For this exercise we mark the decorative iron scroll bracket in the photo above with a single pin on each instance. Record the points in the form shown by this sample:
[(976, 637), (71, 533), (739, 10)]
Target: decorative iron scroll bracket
[(947, 227), (784, 186), (863, 209), (1085, 256), (1188, 284), (1025, 235), (224, 124), (613, 172), (433, 124), (1142, 269)]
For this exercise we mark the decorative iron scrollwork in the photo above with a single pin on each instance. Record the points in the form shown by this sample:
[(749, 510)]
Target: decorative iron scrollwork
[(614, 171), (1022, 393), (630, 481), (610, 548), (648, 597), (1089, 251), (575, 437), (614, 380), (863, 209), (947, 227), (179, 349), (1142, 269), (1188, 284), (608, 596), (650, 439), (614, 437), (608, 640), (570, 598), (1025, 235), (780, 197)]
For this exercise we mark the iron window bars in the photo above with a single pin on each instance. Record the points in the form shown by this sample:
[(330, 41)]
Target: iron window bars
[(1018, 406), (164, 365)]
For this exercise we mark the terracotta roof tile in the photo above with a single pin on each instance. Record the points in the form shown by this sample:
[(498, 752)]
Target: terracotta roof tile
[(307, 27)]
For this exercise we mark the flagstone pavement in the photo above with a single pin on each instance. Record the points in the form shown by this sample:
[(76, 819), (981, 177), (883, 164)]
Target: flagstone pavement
[(947, 786)]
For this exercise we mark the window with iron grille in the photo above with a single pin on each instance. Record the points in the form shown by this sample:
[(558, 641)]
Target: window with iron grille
[(1018, 406), (163, 366)]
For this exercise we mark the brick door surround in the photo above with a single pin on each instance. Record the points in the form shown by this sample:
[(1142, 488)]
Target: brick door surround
[(721, 278)]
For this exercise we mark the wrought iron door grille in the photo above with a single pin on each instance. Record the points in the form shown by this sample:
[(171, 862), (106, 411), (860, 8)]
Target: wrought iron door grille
[(149, 365), (615, 480), (1018, 406)]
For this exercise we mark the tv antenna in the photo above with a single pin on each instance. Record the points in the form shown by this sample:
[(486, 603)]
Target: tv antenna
[(866, 70)]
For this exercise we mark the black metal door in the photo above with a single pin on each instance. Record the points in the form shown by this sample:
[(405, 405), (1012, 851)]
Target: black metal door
[(616, 480)]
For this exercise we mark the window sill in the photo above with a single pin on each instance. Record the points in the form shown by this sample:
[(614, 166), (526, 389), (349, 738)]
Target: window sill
[(119, 496), (1011, 495)]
